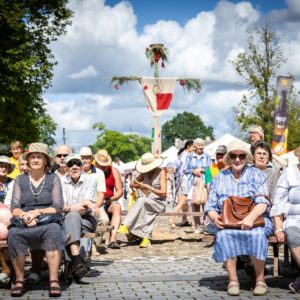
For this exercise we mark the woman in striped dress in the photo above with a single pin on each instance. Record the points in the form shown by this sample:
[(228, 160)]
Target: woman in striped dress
[(241, 180)]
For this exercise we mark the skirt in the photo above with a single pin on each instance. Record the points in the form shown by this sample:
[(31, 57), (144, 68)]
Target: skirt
[(234, 242), (47, 237), (140, 219)]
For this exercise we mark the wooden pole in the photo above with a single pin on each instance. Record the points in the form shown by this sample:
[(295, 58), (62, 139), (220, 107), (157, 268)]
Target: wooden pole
[(156, 136)]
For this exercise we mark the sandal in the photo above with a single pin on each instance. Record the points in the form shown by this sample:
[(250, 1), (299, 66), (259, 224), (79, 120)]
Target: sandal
[(17, 290), (185, 224), (260, 289), (233, 288), (114, 245), (54, 291)]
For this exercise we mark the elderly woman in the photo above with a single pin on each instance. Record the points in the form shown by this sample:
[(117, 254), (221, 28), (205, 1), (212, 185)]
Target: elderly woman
[(196, 163), (6, 183), (240, 179), (152, 182), (36, 194), (262, 158), (286, 202)]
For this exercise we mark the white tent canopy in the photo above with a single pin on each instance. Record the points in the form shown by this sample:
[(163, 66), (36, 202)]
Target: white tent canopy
[(224, 140)]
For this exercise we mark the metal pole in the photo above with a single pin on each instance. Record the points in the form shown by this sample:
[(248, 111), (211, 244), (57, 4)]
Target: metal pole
[(156, 136), (64, 136)]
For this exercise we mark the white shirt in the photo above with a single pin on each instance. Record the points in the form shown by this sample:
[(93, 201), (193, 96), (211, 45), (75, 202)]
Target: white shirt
[(84, 189), (100, 177)]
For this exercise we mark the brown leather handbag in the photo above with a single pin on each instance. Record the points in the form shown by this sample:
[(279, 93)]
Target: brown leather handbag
[(235, 209)]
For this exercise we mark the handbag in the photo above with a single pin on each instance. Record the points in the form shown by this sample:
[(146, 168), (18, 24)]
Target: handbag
[(42, 220), (198, 193), (235, 209)]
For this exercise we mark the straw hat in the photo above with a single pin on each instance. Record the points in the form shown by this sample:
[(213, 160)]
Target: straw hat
[(148, 162), (6, 160), (38, 148), (85, 151), (237, 145), (297, 152), (102, 158)]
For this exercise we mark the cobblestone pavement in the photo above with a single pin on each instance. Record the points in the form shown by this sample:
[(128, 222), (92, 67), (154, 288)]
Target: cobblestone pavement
[(176, 266)]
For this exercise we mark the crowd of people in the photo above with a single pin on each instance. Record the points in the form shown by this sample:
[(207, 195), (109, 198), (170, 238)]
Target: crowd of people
[(47, 203)]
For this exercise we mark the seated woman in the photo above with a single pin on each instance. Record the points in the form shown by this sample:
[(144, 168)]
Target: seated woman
[(286, 202), (33, 195), (244, 181), (152, 183), (262, 155), (6, 183)]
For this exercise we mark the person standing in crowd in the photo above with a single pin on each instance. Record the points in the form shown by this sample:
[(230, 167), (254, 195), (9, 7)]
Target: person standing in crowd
[(16, 148), (23, 166), (61, 152), (114, 192), (182, 184), (262, 155), (152, 182), (87, 159), (286, 212), (196, 164), (35, 194), (6, 183), (240, 179), (214, 169), (79, 192)]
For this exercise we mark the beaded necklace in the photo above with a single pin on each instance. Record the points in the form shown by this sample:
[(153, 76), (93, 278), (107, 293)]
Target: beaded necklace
[(31, 186)]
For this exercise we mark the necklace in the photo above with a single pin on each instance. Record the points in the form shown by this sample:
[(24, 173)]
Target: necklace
[(31, 186)]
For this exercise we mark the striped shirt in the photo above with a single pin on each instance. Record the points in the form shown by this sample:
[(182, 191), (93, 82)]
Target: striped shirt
[(195, 161)]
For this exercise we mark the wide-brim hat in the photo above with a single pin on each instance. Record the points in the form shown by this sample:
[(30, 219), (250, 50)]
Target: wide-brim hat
[(297, 151), (238, 145), (148, 162), (72, 156), (6, 160), (85, 151), (38, 148), (102, 158)]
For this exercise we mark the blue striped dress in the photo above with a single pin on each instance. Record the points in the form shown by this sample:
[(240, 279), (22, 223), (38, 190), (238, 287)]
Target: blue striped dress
[(233, 242)]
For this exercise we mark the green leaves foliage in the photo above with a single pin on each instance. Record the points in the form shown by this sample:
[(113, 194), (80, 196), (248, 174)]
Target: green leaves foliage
[(184, 126)]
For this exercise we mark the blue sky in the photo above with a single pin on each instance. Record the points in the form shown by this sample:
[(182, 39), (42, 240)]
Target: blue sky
[(109, 38)]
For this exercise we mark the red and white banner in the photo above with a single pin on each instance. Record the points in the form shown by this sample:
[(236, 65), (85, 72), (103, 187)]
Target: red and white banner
[(158, 93)]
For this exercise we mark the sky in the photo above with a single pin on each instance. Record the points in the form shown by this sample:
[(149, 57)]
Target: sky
[(109, 37)]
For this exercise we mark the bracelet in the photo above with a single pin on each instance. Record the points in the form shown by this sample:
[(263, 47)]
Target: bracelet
[(278, 230)]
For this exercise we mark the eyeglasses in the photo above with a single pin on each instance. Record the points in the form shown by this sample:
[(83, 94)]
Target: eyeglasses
[(71, 163), (253, 132), (233, 156), (220, 154), (61, 155)]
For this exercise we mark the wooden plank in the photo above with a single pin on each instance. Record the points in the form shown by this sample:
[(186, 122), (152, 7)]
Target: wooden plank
[(175, 214)]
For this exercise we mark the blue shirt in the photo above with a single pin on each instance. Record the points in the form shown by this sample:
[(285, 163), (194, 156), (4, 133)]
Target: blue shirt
[(195, 161), (251, 183)]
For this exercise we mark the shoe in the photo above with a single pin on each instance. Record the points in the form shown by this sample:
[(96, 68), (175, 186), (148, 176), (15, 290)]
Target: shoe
[(17, 289), (113, 245), (260, 289), (295, 286), (54, 291), (80, 270), (198, 230), (185, 224), (233, 288), (33, 278), (4, 278), (145, 243), (123, 229)]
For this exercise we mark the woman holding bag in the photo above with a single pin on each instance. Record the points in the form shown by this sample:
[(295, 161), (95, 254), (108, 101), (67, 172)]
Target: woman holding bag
[(241, 180), (196, 163)]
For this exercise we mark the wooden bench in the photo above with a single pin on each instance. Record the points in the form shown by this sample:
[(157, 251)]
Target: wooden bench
[(97, 236), (175, 214), (209, 238)]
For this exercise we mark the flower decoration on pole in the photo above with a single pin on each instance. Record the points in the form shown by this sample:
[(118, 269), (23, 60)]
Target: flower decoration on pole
[(158, 91)]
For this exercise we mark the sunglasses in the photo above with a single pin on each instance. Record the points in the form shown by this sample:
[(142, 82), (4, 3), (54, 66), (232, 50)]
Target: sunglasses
[(71, 163), (233, 156), (61, 155)]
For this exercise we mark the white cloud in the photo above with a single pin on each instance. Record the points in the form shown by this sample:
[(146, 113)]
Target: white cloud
[(103, 41)]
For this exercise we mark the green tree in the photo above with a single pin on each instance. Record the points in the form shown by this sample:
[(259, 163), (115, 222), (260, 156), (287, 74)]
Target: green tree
[(184, 126), (27, 28), (128, 147), (258, 66)]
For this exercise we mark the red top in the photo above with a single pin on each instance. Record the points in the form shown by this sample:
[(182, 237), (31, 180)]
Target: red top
[(110, 183)]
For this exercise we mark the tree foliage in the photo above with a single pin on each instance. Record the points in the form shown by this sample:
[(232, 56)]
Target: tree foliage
[(184, 126), (128, 147), (258, 67), (26, 66)]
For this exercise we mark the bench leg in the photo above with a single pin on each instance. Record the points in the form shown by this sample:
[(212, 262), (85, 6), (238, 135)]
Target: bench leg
[(276, 260), (286, 253)]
